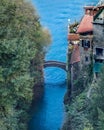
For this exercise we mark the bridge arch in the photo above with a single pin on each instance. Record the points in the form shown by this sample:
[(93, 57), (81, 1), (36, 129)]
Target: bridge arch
[(59, 64)]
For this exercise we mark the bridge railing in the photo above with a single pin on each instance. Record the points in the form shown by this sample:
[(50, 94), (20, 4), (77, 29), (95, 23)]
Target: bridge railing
[(53, 63)]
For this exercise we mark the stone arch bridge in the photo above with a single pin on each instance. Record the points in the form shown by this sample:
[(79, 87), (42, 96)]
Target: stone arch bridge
[(53, 63)]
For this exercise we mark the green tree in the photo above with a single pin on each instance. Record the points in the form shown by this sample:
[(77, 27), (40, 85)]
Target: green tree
[(20, 42)]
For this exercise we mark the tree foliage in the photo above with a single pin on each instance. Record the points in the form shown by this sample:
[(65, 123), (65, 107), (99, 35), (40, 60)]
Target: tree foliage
[(98, 104), (22, 39), (86, 111)]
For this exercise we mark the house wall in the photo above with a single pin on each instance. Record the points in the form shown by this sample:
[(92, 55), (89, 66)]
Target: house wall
[(98, 40), (85, 53), (98, 37)]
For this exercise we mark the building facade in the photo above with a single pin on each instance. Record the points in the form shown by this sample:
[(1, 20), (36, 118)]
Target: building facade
[(98, 40), (86, 48)]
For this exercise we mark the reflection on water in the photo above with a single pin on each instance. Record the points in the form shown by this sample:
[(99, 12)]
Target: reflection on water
[(48, 111)]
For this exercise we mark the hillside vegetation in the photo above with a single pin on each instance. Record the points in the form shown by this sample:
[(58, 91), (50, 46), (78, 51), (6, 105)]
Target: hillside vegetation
[(86, 110), (23, 43)]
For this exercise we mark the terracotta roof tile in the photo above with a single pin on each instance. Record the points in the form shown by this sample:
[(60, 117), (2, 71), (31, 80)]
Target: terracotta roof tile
[(75, 57), (73, 37), (86, 24)]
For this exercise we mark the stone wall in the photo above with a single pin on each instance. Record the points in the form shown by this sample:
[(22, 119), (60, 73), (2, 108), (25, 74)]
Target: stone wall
[(98, 35)]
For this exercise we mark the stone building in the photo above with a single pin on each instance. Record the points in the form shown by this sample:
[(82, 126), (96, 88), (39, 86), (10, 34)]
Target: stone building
[(86, 48), (73, 60), (98, 39), (85, 30)]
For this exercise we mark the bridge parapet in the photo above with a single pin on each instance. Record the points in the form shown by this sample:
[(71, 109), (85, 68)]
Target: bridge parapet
[(53, 63)]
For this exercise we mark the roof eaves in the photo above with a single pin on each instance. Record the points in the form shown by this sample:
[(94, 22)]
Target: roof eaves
[(98, 13), (89, 31)]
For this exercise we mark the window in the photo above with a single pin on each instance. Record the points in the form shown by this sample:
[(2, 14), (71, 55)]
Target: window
[(86, 59), (99, 51), (98, 61), (86, 43)]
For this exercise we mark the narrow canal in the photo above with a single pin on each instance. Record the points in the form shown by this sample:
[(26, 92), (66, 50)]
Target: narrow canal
[(48, 112)]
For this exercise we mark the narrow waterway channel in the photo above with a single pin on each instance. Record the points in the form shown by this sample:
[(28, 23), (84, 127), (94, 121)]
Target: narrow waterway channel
[(48, 111)]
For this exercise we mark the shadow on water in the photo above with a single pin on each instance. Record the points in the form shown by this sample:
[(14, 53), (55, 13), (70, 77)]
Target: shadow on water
[(60, 84), (48, 111)]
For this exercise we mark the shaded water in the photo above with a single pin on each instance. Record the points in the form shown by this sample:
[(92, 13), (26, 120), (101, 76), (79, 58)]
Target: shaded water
[(48, 112)]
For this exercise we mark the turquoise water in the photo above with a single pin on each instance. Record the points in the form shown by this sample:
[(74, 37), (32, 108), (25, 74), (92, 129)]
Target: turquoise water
[(48, 112)]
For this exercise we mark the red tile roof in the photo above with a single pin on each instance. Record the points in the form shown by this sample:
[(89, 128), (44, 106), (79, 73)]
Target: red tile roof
[(75, 57), (86, 24), (73, 37)]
